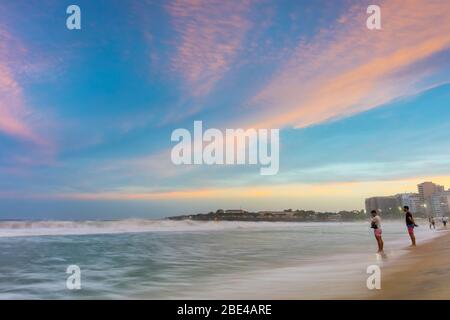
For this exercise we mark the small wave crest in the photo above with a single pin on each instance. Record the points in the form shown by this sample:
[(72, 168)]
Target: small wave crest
[(41, 228)]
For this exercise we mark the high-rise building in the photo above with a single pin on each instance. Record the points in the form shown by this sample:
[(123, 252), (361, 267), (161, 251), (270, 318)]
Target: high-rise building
[(413, 201), (386, 206), (432, 200), (426, 191), (440, 204), (447, 213)]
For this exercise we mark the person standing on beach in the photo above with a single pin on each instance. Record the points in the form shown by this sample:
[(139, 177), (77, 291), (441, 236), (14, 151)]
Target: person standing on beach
[(410, 224), (375, 224)]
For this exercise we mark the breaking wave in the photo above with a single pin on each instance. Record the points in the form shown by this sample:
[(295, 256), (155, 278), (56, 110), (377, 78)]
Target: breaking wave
[(51, 227)]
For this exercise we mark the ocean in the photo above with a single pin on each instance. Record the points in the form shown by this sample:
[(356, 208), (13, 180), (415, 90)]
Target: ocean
[(163, 259)]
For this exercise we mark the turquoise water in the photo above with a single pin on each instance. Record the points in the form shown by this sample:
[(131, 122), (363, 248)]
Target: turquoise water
[(144, 259)]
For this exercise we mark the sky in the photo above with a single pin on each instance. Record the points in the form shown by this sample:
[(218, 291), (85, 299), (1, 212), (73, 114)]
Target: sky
[(86, 115)]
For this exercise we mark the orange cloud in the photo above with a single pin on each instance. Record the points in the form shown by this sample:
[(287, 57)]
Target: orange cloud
[(348, 69), (170, 195)]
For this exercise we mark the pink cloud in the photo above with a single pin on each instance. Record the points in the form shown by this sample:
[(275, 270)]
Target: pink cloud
[(211, 33), (14, 114), (347, 68), (12, 111)]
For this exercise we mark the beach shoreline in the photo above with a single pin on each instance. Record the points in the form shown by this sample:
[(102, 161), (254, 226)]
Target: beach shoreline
[(421, 274)]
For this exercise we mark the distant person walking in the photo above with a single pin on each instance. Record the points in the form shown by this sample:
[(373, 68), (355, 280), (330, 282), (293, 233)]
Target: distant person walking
[(432, 223), (444, 221), (410, 224), (375, 224)]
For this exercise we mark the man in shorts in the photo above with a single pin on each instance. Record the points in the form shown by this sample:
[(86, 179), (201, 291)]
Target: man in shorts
[(410, 224), (375, 224)]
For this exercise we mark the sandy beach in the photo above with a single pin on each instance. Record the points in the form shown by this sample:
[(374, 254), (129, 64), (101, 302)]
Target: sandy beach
[(423, 273)]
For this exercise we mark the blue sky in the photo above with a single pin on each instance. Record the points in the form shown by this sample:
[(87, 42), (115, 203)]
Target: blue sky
[(86, 115)]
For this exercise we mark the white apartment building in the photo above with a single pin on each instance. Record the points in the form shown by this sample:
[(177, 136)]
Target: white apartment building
[(412, 200)]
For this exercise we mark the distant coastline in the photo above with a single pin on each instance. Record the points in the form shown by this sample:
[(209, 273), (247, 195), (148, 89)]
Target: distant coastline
[(287, 215)]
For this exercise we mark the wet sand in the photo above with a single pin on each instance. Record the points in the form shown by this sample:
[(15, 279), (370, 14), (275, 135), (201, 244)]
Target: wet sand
[(423, 273)]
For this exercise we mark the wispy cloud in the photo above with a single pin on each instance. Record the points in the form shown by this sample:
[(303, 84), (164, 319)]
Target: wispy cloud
[(14, 113), (211, 33), (156, 166), (347, 68), (12, 110)]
